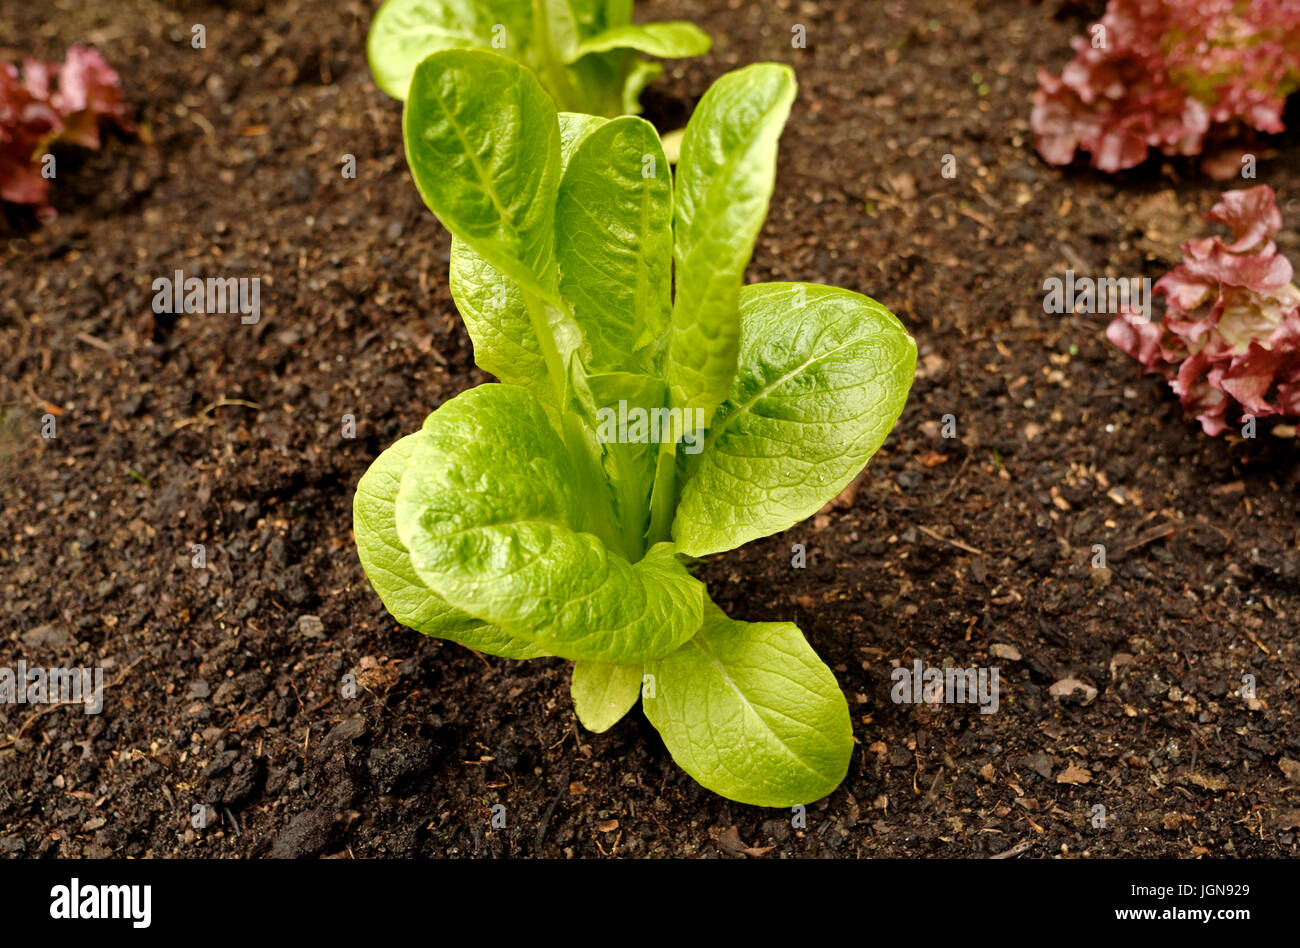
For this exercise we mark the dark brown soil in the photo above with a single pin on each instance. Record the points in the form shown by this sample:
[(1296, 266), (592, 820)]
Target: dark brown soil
[(197, 429)]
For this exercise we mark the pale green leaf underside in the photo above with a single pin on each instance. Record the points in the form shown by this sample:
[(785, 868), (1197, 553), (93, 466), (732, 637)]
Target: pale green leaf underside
[(490, 510), (824, 374), (751, 712), (483, 144), (614, 242), (725, 178), (674, 39), (603, 693), (388, 565)]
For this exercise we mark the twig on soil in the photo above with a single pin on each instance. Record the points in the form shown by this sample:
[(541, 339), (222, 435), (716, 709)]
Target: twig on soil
[(550, 811), (1015, 850), (1204, 522), (209, 131), (116, 681), (46, 405), (90, 340), (617, 839), (955, 478), (1158, 533), (563, 737), (977, 218), (219, 403), (935, 535), (1258, 644), (932, 795)]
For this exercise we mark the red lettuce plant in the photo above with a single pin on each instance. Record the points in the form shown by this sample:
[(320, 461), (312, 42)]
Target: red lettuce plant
[(48, 103), (1229, 344), (1161, 73)]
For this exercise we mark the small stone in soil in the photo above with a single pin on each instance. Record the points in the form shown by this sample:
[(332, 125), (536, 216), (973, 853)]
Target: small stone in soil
[(311, 627), (47, 636), (1073, 689), (349, 729)]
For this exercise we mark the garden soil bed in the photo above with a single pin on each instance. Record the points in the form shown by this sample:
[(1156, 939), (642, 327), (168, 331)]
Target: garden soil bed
[(224, 689)]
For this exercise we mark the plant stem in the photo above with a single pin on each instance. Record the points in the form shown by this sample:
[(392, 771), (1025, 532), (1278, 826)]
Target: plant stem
[(550, 352), (554, 74), (598, 513), (632, 512), (662, 496)]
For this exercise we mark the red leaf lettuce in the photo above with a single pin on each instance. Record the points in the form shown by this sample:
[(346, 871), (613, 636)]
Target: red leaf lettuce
[(1162, 73), (50, 103), (1229, 344)]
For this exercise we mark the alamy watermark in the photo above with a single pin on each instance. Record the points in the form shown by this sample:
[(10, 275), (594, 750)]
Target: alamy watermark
[(181, 294), (23, 685), (637, 425), (1094, 295), (928, 685), (75, 901)]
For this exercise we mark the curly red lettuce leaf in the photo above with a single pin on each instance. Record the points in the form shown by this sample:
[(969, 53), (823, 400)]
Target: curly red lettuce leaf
[(1162, 74), (1229, 343), (48, 104)]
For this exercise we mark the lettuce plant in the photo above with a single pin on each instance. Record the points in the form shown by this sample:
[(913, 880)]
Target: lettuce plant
[(536, 516), (47, 104), (1229, 344), (585, 53), (1160, 73)]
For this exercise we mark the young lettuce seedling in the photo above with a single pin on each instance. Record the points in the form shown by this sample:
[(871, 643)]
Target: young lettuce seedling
[(635, 429), (584, 52)]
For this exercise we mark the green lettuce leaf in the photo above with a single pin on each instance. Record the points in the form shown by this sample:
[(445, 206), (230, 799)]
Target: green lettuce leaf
[(388, 565), (824, 374), (574, 128), (483, 144), (583, 52), (613, 223), (675, 39), (641, 74), (493, 309), (603, 693), (404, 32), (751, 712), (491, 511), (724, 181)]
